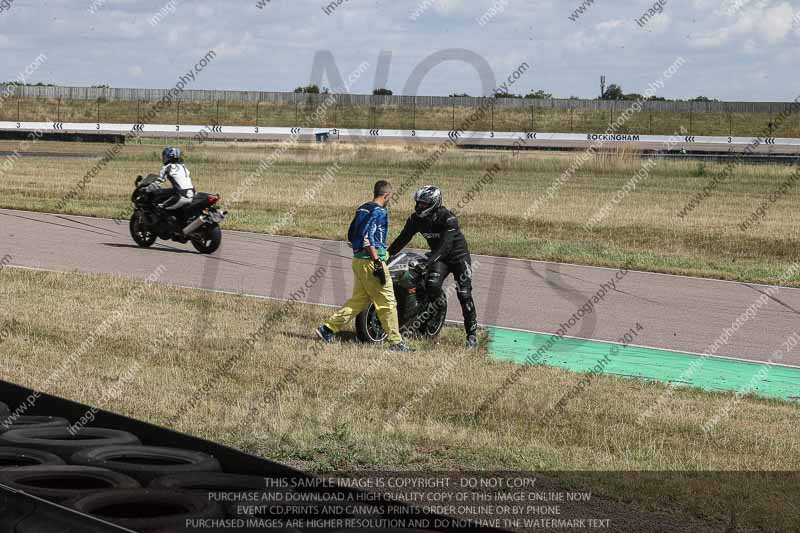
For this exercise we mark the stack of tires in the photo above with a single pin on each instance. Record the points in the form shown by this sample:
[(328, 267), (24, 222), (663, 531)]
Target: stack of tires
[(109, 474)]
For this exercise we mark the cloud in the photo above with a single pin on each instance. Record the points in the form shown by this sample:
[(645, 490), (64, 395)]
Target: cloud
[(273, 49), (776, 23)]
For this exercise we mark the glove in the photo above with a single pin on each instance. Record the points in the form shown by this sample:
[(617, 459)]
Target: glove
[(379, 272)]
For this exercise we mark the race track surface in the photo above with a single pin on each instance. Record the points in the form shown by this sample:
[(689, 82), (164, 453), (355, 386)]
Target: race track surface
[(677, 313)]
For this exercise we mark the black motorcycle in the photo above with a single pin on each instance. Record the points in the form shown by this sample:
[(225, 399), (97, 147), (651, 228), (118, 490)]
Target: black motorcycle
[(197, 222), (418, 314)]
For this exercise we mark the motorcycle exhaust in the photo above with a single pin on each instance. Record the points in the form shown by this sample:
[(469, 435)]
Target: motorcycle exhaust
[(196, 223)]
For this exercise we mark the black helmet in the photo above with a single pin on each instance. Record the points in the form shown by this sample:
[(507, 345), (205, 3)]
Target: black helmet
[(426, 200)]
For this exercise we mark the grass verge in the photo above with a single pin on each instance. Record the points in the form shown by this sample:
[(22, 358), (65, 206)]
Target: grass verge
[(350, 406)]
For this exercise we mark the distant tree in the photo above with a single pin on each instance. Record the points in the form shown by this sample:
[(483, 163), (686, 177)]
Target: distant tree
[(308, 89), (459, 95), (632, 96), (613, 92), (703, 99), (382, 92), (539, 95), (655, 98), (506, 94), (39, 84), (103, 86)]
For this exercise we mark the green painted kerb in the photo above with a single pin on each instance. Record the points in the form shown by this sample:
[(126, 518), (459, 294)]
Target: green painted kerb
[(710, 373)]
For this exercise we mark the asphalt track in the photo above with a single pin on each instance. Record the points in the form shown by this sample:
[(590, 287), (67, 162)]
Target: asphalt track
[(677, 313)]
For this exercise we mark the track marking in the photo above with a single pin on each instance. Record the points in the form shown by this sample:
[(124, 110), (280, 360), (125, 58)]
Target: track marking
[(684, 352)]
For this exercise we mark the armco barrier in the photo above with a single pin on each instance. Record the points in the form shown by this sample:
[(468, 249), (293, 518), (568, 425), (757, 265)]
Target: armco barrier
[(15, 506), (523, 139)]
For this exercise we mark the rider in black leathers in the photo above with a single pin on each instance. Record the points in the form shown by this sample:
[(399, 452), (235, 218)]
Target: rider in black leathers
[(449, 252)]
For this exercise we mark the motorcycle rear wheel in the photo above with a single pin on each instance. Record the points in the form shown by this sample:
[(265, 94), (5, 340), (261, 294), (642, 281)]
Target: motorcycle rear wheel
[(368, 326), (141, 236), (206, 240)]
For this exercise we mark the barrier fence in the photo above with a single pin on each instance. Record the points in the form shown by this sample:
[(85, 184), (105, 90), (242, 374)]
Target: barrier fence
[(251, 108), (151, 95)]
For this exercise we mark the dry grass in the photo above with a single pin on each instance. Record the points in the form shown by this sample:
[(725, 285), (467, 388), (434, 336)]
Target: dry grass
[(394, 117), (332, 414), (642, 230)]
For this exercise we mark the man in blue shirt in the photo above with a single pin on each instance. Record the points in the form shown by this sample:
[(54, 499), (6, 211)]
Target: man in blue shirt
[(373, 284)]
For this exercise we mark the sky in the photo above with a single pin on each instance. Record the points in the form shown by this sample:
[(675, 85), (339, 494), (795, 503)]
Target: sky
[(739, 50)]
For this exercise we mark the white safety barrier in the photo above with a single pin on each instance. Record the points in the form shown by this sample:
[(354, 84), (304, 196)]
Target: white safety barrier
[(205, 131)]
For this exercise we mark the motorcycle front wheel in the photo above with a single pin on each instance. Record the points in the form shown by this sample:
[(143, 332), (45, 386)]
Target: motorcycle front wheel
[(368, 326), (141, 236), (207, 239), (433, 327)]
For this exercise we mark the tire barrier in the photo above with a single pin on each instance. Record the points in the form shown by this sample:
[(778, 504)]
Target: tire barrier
[(146, 510), (13, 457), (146, 463), (60, 441), (31, 422), (181, 478), (23, 513), (63, 482), (209, 482)]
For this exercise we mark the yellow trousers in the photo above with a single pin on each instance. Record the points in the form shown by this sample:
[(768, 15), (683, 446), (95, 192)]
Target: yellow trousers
[(368, 289)]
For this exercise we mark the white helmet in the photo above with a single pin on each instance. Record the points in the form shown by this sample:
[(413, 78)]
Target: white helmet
[(426, 200)]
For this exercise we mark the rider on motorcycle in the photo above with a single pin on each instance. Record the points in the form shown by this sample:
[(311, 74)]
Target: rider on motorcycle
[(175, 171), (449, 252)]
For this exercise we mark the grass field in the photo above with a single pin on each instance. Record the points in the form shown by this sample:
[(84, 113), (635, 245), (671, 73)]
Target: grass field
[(311, 190), (396, 117), (324, 407)]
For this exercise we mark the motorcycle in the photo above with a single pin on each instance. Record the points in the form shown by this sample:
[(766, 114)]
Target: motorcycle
[(197, 222), (417, 313)]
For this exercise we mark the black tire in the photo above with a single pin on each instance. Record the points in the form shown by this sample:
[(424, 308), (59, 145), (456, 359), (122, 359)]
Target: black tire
[(141, 236), (61, 442), (208, 239), (433, 326), (12, 457), (146, 510), (61, 482), (4, 411), (147, 463), (209, 482), (368, 326), (28, 422)]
